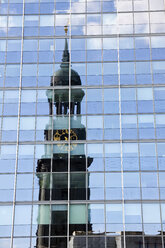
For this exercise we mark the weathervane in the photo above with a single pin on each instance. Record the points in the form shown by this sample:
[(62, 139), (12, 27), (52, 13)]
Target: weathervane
[(66, 29)]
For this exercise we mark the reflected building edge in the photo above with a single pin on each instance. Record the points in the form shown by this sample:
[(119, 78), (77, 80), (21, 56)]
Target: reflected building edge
[(133, 240)]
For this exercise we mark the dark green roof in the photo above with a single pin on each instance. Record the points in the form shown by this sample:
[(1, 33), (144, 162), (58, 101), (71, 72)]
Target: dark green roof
[(61, 77)]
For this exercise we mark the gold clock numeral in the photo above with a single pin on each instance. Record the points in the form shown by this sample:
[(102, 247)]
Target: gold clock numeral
[(63, 135)]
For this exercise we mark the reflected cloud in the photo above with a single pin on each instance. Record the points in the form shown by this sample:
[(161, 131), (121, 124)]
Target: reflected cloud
[(5, 243)]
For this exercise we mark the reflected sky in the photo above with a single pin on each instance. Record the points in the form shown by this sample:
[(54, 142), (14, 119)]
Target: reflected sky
[(108, 180)]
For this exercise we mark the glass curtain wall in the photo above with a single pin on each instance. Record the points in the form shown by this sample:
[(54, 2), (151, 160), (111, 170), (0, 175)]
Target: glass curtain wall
[(82, 123)]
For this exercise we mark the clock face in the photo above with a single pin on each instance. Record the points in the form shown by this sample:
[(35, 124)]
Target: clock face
[(63, 135)]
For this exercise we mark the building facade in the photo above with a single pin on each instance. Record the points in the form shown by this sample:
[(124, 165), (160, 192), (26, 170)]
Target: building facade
[(82, 123)]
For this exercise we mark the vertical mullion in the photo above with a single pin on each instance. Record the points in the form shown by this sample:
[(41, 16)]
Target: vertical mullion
[(86, 123), (35, 135), (154, 114), (102, 69), (69, 127), (18, 125), (121, 145), (137, 121), (51, 120)]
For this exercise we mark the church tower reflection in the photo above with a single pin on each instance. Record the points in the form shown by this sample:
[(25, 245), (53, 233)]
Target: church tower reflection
[(62, 169)]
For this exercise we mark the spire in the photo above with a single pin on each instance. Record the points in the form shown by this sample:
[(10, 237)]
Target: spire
[(65, 57)]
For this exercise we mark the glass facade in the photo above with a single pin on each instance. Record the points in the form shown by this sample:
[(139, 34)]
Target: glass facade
[(82, 123)]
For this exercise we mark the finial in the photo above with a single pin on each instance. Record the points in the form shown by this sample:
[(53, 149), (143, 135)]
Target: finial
[(66, 29), (65, 57)]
